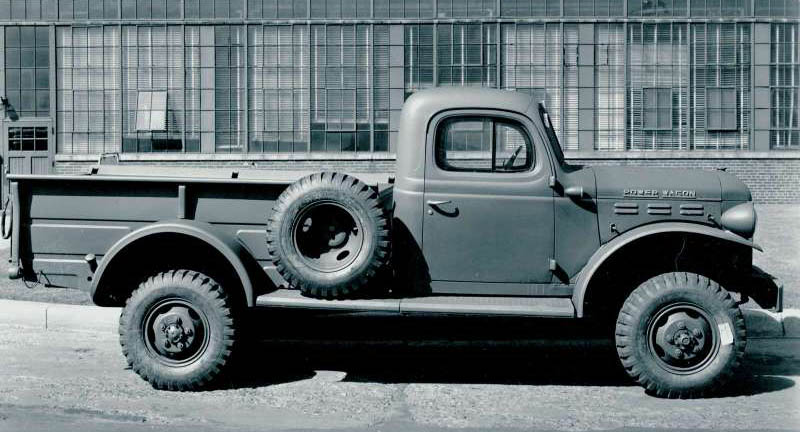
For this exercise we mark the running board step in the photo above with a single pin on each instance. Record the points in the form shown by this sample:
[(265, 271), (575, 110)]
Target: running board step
[(471, 305)]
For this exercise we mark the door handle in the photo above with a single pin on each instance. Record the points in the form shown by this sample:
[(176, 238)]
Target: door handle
[(438, 203)]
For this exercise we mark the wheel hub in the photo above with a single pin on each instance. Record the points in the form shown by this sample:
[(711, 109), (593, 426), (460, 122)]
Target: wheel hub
[(328, 237), (682, 338), (174, 331)]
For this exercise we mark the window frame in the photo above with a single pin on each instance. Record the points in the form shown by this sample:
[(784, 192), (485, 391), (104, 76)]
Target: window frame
[(658, 109), (150, 109), (439, 154), (721, 109)]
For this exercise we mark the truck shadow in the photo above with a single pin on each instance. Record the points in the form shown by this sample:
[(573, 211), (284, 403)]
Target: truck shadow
[(452, 350)]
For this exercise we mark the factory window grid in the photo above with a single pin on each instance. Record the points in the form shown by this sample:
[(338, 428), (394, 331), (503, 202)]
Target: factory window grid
[(88, 89), (784, 88), (658, 87), (609, 91), (27, 70), (229, 88), (720, 94), (340, 76), (278, 64), (152, 64)]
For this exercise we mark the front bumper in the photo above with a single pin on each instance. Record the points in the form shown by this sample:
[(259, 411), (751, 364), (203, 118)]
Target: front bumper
[(764, 289)]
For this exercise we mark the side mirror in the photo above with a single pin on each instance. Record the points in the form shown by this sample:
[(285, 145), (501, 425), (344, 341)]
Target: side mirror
[(574, 192)]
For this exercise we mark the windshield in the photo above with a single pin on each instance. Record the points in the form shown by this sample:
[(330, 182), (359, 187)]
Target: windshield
[(551, 133)]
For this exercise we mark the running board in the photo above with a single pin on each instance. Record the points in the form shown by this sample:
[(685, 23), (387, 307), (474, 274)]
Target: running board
[(469, 305)]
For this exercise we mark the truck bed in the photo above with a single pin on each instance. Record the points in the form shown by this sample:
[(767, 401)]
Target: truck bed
[(61, 219), (199, 175)]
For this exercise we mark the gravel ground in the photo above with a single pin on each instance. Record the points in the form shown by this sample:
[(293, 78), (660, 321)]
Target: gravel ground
[(52, 380), (778, 233)]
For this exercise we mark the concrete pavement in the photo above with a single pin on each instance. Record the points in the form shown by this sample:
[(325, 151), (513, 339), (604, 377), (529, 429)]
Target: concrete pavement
[(70, 381)]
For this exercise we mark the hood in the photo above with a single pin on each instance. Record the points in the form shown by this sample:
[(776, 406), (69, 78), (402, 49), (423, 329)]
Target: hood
[(663, 183)]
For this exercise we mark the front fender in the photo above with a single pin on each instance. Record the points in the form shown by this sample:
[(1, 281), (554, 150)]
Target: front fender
[(607, 250), (232, 250)]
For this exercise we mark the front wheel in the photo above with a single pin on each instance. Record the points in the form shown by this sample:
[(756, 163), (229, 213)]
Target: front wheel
[(177, 330), (680, 335)]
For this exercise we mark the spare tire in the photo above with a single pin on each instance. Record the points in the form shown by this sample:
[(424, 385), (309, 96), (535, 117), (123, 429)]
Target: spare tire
[(328, 235)]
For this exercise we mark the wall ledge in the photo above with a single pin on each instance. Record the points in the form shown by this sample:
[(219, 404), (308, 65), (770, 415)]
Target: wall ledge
[(233, 157), (390, 157), (668, 155)]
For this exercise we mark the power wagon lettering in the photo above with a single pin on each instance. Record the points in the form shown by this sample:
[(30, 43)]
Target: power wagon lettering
[(654, 193)]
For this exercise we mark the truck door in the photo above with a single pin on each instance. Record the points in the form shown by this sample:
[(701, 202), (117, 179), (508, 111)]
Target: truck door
[(488, 213)]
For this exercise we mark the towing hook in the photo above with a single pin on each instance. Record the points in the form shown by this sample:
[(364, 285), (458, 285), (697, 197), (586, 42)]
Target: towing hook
[(91, 260)]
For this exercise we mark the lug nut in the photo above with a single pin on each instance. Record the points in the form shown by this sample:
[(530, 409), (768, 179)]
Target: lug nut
[(697, 333), (181, 345), (163, 327), (677, 353), (682, 326), (189, 332)]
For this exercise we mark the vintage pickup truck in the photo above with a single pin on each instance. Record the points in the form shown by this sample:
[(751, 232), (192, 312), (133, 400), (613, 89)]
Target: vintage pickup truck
[(484, 216)]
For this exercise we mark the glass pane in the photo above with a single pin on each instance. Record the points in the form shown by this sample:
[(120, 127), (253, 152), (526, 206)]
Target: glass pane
[(143, 111), (465, 145), (159, 110), (513, 151)]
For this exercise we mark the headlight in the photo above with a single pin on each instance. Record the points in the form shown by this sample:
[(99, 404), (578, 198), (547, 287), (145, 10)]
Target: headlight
[(740, 219)]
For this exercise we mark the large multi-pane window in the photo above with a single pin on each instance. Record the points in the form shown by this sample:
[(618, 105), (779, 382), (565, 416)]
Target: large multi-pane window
[(467, 54), (28, 9), (340, 9), (27, 68), (199, 84), (340, 80), (609, 87), (720, 94), (658, 89), (658, 8), (387, 82), (278, 81), (532, 8), (277, 8), (465, 8), (418, 57), (594, 8), (532, 61), (229, 88), (88, 89), (785, 87), (717, 8), (777, 8), (152, 67), (404, 8)]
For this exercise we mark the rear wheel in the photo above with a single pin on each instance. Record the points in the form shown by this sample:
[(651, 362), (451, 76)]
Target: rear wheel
[(680, 335), (177, 330)]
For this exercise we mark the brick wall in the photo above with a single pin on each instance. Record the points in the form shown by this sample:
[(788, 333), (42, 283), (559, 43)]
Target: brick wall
[(773, 181)]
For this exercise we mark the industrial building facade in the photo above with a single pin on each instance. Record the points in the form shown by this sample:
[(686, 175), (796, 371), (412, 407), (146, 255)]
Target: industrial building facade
[(320, 83)]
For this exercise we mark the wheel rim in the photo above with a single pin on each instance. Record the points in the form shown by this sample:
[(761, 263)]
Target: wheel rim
[(328, 237), (683, 338), (175, 332)]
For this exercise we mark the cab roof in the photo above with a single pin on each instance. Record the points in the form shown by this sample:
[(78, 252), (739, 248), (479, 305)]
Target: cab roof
[(420, 107)]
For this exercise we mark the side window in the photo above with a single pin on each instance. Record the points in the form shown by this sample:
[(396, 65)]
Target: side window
[(483, 144)]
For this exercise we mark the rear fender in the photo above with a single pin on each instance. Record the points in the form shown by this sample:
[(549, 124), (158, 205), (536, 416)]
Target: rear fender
[(232, 250), (609, 249)]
